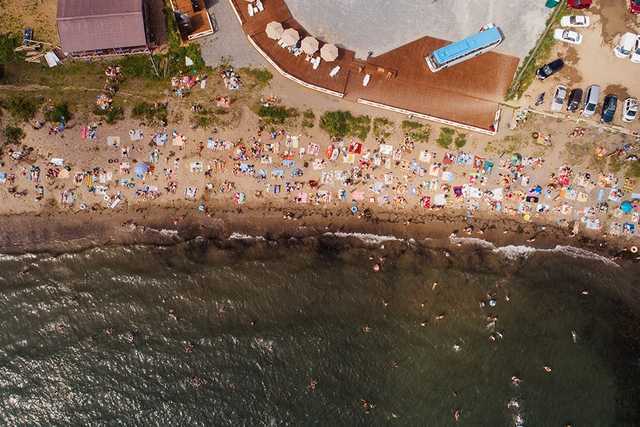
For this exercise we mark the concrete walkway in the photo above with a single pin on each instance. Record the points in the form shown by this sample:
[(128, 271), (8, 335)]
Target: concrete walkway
[(229, 41)]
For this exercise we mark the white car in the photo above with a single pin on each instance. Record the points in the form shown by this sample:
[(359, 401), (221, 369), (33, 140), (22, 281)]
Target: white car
[(635, 55), (567, 36), (626, 45), (629, 110), (575, 21), (558, 98)]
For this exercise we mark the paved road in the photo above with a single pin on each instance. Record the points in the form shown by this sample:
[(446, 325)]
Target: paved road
[(229, 41), (382, 25)]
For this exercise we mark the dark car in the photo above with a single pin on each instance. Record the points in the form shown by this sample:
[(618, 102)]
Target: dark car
[(634, 6), (580, 4), (575, 99), (550, 69), (609, 108)]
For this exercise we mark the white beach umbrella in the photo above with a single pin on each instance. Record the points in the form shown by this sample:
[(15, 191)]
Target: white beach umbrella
[(310, 45), (290, 37), (329, 52), (274, 30)]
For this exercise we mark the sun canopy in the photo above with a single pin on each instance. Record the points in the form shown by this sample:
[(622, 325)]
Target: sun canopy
[(310, 45), (329, 52), (290, 37), (274, 30)]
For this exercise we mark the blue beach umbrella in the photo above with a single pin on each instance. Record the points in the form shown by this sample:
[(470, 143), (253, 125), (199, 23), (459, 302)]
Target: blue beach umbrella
[(626, 206)]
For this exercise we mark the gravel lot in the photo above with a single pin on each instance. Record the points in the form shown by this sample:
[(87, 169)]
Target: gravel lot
[(382, 25), (229, 41)]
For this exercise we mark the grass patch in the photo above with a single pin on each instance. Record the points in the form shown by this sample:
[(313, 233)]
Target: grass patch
[(22, 108), (633, 169), (539, 54), (308, 119), (276, 115), (382, 127), (58, 113), (446, 137), (339, 124), (152, 114), (261, 76), (13, 135), (418, 132)]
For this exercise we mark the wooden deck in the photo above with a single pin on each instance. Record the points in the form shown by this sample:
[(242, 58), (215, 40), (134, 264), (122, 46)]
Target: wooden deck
[(466, 94)]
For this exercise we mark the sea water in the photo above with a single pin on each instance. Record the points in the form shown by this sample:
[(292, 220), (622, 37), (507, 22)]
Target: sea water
[(254, 332)]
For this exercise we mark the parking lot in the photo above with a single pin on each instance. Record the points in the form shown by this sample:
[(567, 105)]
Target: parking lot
[(382, 25), (593, 61)]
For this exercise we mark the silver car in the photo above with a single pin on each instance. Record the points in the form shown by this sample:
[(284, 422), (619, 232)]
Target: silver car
[(558, 98)]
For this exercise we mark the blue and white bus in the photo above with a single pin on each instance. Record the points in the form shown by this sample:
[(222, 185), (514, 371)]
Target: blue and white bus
[(489, 37)]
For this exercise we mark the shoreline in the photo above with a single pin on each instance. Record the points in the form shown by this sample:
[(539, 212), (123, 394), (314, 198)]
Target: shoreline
[(58, 232)]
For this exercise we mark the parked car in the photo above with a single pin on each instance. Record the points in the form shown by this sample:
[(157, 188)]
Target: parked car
[(575, 98), (567, 36), (579, 4), (634, 6), (609, 108), (591, 99), (629, 110), (625, 45), (550, 69), (575, 21), (635, 55), (558, 98)]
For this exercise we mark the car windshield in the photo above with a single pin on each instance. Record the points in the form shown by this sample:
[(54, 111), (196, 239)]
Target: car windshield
[(591, 107), (546, 70), (631, 113)]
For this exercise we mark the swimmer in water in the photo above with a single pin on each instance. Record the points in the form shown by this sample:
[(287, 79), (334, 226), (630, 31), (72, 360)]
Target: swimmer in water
[(515, 380), (456, 414), (547, 369)]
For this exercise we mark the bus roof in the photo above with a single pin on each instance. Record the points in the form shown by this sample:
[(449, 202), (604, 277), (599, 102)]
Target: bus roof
[(460, 48)]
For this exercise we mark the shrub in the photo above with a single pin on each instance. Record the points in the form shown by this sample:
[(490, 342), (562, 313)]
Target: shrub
[(21, 107), (13, 134), (58, 113), (416, 131), (446, 137), (111, 115), (461, 140), (276, 115), (8, 42), (382, 127), (339, 124), (150, 113), (308, 119)]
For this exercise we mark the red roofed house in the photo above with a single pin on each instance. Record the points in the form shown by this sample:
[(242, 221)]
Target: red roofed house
[(102, 27)]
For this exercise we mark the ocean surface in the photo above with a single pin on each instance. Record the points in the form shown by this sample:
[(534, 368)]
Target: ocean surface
[(248, 332)]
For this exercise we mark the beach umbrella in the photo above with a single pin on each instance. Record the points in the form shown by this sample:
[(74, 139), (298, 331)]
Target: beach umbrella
[(626, 206), (274, 30), (329, 52), (141, 169), (310, 45), (290, 37)]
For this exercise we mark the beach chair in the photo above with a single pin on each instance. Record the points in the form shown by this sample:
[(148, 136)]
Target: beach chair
[(365, 81), (334, 71), (317, 63), (260, 6), (250, 9)]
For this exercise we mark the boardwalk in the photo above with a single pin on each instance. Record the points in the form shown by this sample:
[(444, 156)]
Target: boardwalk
[(466, 95)]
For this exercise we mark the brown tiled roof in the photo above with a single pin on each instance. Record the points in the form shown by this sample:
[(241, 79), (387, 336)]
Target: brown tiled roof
[(85, 25)]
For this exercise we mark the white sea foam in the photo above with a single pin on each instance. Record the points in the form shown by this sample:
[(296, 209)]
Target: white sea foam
[(472, 241), (366, 237), (514, 252), (21, 257), (240, 236)]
